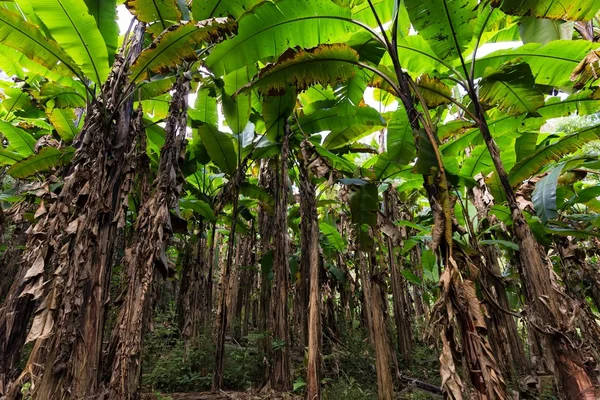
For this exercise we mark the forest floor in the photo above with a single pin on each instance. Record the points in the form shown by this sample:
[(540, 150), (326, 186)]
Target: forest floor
[(172, 373), (222, 395)]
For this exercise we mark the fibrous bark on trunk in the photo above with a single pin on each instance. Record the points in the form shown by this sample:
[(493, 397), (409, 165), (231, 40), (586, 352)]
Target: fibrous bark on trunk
[(281, 375), (503, 333), (549, 307), (71, 246), (192, 288), (153, 230), (310, 262), (402, 315), (266, 222), (383, 355)]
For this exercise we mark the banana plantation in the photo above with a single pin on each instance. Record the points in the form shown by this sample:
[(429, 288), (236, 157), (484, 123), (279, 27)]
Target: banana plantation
[(300, 199)]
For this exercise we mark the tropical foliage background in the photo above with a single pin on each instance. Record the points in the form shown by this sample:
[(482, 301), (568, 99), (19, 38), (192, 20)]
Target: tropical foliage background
[(318, 198)]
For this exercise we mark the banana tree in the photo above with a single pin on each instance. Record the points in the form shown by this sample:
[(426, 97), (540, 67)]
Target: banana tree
[(68, 42)]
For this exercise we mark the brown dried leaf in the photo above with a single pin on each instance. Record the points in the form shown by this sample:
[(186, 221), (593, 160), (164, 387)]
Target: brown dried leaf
[(40, 211), (41, 327), (34, 288), (451, 382), (587, 70), (36, 269)]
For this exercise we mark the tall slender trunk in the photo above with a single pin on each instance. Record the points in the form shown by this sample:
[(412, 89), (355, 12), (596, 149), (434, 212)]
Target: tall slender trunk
[(222, 310), (206, 314), (242, 309), (421, 309), (266, 223), (310, 262), (383, 355), (367, 305), (549, 306), (402, 315), (281, 377), (72, 245), (153, 230), (189, 300), (233, 282), (503, 332), (13, 273), (10, 262), (573, 260), (455, 291)]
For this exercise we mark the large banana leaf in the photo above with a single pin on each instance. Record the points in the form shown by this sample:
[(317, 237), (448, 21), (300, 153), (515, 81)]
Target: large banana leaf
[(364, 204), (544, 194), (13, 62), (584, 102), (400, 139), (333, 236), (198, 206), (512, 89), (271, 28), (256, 192), (221, 148), (551, 64), (585, 195), (383, 167), (63, 97), (276, 110), (76, 32), (205, 107), (29, 40), (472, 137), (447, 25), (325, 65), (493, 26), (47, 158), (480, 161), (204, 9), (339, 163), (342, 129), (417, 56), (434, 91), (552, 152), (385, 11), (525, 145), (159, 13), (350, 93), (19, 141), (155, 87), (176, 45), (536, 30), (365, 121), (63, 121), (8, 157), (237, 109), (579, 10), (105, 14)]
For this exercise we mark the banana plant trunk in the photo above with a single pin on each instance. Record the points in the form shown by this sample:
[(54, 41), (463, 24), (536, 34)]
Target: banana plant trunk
[(311, 262), (402, 313), (550, 308), (266, 179), (189, 299), (281, 376), (503, 331), (457, 300), (383, 355), (70, 250), (147, 254)]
